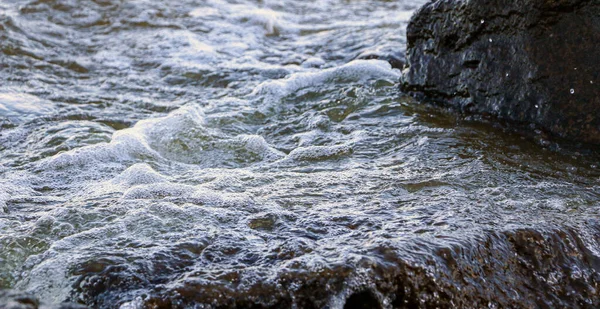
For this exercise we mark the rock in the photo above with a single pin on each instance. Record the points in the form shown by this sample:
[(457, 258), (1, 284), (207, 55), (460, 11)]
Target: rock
[(395, 58), (11, 299), (526, 61)]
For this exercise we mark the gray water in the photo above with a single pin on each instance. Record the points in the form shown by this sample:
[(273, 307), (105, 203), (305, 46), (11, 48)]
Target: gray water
[(211, 154)]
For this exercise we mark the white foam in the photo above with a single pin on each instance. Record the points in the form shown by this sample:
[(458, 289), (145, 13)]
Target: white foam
[(112, 57), (189, 50), (205, 196), (122, 147), (13, 187), (140, 181), (181, 136), (273, 22), (199, 195), (257, 145), (203, 12), (318, 153), (48, 279), (355, 71), (138, 174), (158, 191), (136, 142)]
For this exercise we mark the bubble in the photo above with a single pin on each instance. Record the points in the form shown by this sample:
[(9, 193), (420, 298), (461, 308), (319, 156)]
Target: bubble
[(572, 91)]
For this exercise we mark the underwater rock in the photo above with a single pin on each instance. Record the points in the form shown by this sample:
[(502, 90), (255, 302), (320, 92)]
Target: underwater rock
[(11, 299), (531, 61), (542, 267)]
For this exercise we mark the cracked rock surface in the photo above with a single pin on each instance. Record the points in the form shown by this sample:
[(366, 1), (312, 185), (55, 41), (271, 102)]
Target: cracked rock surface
[(525, 61)]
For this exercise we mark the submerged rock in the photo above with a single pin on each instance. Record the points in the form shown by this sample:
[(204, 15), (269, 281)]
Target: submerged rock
[(519, 268), (528, 61), (11, 299)]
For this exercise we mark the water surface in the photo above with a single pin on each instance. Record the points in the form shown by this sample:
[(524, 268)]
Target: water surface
[(205, 154)]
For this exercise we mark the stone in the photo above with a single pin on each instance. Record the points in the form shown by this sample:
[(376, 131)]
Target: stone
[(13, 299), (525, 61), (395, 58)]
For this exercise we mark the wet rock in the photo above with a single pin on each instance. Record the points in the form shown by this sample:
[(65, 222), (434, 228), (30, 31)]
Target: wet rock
[(518, 268), (362, 300), (394, 57), (11, 299), (530, 61)]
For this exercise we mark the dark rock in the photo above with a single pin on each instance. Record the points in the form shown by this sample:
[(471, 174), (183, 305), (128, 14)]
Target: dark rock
[(395, 58), (362, 300), (528, 61)]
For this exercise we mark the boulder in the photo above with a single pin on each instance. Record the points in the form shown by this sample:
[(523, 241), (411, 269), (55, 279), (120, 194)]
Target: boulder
[(525, 61)]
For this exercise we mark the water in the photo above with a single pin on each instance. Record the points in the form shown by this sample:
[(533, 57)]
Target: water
[(206, 154)]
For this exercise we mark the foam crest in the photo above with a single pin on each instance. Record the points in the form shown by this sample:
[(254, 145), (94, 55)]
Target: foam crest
[(273, 22), (187, 50), (123, 147), (257, 145), (138, 174), (141, 182), (184, 136), (136, 142), (181, 136), (355, 71), (183, 193)]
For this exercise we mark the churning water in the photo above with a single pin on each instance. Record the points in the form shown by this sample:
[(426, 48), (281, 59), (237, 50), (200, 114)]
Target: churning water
[(237, 153)]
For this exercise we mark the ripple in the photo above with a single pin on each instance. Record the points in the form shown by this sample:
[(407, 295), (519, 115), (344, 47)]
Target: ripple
[(19, 107)]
